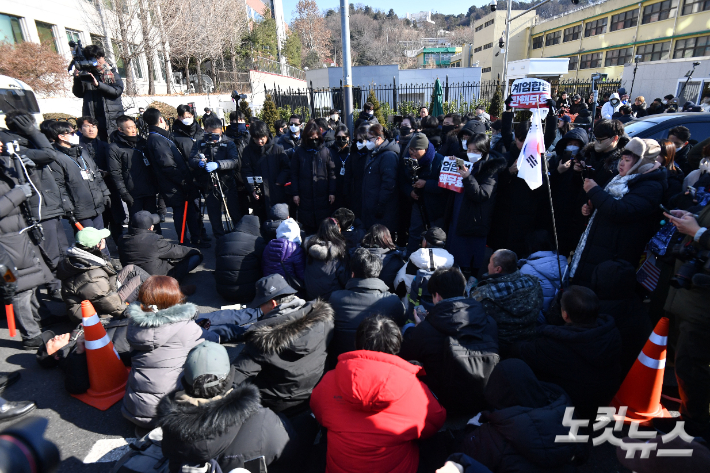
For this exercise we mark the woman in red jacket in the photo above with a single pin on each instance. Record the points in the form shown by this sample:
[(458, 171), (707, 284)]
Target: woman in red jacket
[(374, 406)]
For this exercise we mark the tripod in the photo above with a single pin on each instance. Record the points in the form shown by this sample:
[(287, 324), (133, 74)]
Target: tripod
[(414, 167), (219, 193)]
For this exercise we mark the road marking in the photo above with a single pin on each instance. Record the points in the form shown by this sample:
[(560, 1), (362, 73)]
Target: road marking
[(108, 450)]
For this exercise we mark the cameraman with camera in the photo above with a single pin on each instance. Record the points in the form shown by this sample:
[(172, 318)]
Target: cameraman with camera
[(100, 85), (688, 301), (215, 160)]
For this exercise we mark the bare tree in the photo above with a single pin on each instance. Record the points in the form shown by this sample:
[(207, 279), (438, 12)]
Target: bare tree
[(311, 26)]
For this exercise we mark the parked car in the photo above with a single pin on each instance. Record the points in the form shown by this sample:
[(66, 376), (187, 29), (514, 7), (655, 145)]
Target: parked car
[(16, 95), (657, 126)]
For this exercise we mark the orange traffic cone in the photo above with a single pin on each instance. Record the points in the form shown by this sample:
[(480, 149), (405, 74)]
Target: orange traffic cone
[(641, 390), (107, 374)]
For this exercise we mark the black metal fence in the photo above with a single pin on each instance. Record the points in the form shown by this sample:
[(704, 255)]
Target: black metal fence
[(405, 99)]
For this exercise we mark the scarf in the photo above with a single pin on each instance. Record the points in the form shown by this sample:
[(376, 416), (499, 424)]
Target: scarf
[(106, 73), (618, 187), (426, 160)]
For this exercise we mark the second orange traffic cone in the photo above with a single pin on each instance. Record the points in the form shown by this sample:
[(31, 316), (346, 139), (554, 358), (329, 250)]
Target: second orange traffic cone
[(641, 390), (107, 373)]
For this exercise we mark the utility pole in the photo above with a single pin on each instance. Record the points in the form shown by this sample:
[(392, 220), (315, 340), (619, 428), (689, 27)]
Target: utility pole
[(347, 66), (507, 47)]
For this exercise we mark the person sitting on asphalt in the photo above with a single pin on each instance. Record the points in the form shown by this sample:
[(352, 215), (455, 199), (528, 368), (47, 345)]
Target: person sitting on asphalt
[(459, 322), (161, 331), (513, 299), (350, 227), (277, 214), (286, 349), (284, 255), (239, 260), (378, 241), (582, 357), (88, 275), (364, 295), (374, 406), (153, 253), (212, 418), (326, 261)]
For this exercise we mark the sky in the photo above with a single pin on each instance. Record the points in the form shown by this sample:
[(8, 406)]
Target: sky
[(401, 7)]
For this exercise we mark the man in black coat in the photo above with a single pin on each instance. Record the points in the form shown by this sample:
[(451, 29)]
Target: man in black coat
[(215, 162), (367, 116), (457, 343), (239, 260), (174, 177), (364, 295), (680, 136), (286, 349), (130, 170), (263, 158), (153, 253), (186, 131), (101, 90), (581, 356), (292, 138)]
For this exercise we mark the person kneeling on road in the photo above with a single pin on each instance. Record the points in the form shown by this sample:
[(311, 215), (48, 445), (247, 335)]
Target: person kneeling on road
[(156, 255)]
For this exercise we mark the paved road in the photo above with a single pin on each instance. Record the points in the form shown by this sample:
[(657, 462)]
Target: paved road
[(75, 427)]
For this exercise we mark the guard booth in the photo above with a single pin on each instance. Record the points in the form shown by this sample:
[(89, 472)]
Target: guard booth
[(548, 69)]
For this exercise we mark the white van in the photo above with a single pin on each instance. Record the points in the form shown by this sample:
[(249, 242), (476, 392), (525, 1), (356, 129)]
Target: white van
[(16, 95)]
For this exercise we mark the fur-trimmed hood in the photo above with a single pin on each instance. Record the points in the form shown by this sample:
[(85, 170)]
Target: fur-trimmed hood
[(189, 423), (277, 334), (176, 313), (323, 250)]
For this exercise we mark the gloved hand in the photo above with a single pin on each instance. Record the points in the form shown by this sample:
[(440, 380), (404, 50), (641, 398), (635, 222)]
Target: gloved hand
[(107, 202), (127, 199), (202, 164), (25, 125), (27, 189), (28, 162), (70, 216), (211, 167), (507, 103)]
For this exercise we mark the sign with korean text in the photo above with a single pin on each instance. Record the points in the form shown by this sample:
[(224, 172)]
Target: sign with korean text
[(529, 93), (449, 177)]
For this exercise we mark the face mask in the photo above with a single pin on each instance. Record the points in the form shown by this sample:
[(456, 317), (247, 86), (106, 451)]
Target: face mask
[(370, 145), (312, 144), (447, 128), (342, 141), (678, 148), (360, 145), (463, 143), (473, 157), (73, 139), (405, 130), (241, 127), (334, 118), (130, 139), (187, 121), (664, 102), (572, 149), (371, 112), (213, 137), (601, 147), (614, 102), (293, 128)]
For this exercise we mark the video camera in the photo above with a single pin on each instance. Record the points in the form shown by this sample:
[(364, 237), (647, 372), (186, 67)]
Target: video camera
[(81, 63), (23, 448), (258, 183), (696, 261), (236, 96)]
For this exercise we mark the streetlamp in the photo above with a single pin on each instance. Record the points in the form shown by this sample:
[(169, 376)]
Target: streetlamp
[(637, 58)]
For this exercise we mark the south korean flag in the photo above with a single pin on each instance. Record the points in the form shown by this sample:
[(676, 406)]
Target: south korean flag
[(531, 156)]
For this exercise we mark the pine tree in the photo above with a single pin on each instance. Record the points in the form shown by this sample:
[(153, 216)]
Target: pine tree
[(372, 98), (269, 114), (496, 107), (244, 107)]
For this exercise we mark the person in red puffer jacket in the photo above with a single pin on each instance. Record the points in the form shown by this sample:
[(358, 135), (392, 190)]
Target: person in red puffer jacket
[(374, 405)]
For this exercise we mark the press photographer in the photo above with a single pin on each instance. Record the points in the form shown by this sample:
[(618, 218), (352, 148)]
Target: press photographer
[(689, 305), (99, 84)]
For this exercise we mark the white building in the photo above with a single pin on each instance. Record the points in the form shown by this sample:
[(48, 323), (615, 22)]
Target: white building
[(420, 18)]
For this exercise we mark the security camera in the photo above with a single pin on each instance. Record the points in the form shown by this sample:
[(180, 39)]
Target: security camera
[(598, 76), (637, 58), (494, 5), (696, 64)]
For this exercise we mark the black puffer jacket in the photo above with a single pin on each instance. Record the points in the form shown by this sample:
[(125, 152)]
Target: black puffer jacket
[(231, 429), (285, 353), (365, 119), (392, 262), (151, 251), (312, 180), (287, 141), (102, 102), (582, 359), (185, 137), (479, 194), (88, 196), (239, 261), (127, 164), (621, 228), (40, 151), (225, 155), (26, 256), (432, 196), (379, 187), (169, 165), (354, 175), (271, 163), (518, 435), (360, 299), (326, 268), (452, 324)]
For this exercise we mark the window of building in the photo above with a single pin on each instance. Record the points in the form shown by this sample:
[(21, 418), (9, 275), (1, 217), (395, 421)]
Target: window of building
[(136, 62), (478, 49), (618, 57), (573, 63), (488, 46), (73, 35), (593, 28), (488, 23), (46, 34), (590, 61), (120, 65), (692, 47), (572, 33), (654, 52), (10, 29), (553, 38), (98, 41), (659, 11), (537, 42), (627, 19), (486, 69), (479, 28), (695, 6)]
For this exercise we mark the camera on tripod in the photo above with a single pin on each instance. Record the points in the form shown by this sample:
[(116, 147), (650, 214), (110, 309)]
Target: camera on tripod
[(258, 183), (696, 261), (236, 96), (81, 63), (413, 168)]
